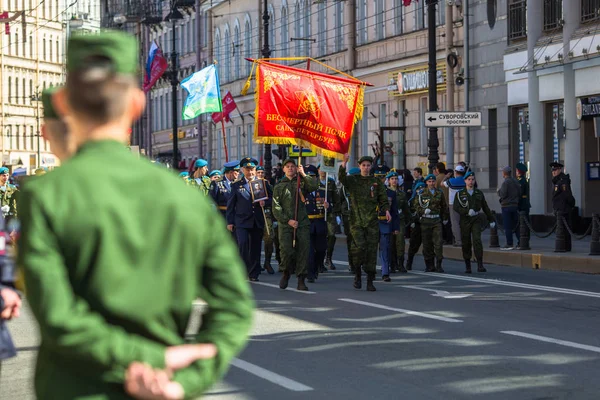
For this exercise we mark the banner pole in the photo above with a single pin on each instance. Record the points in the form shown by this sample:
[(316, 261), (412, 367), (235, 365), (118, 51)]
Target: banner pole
[(265, 217), (326, 182), (224, 139)]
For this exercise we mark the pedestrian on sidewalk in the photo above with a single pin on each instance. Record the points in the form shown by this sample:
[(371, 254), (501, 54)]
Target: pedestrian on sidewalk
[(367, 197), (294, 226), (103, 254), (469, 203), (563, 201), (524, 204), (315, 208), (510, 194), (345, 200), (415, 227)]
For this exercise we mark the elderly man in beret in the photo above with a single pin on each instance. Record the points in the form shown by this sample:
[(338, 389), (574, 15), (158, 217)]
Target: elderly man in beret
[(101, 258)]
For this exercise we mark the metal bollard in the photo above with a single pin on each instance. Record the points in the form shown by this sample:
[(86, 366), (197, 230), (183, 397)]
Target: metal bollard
[(595, 243), (524, 231), (494, 242), (560, 244)]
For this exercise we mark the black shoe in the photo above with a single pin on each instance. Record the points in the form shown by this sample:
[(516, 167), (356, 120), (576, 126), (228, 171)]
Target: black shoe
[(429, 267), (357, 279), (409, 262), (370, 286), (269, 269), (438, 267), (401, 268), (386, 278), (283, 283), (480, 267), (329, 264), (253, 279), (322, 269), (301, 284), (467, 266), (310, 280)]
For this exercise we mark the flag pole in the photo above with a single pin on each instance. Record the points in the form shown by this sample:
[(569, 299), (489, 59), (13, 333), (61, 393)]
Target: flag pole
[(224, 139)]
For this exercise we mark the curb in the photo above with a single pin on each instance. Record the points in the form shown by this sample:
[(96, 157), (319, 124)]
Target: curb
[(550, 261)]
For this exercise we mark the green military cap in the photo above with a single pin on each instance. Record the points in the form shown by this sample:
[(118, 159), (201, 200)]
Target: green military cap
[(119, 48), (365, 158), (289, 160), (49, 111)]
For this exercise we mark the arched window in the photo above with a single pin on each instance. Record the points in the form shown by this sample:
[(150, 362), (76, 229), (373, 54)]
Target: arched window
[(285, 33), (227, 47), (237, 53), (247, 44), (272, 32), (306, 27), (322, 37), (339, 26), (297, 30), (44, 49)]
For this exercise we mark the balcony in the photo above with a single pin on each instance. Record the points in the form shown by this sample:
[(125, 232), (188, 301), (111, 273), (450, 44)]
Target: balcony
[(590, 10), (118, 12), (552, 14), (517, 20)]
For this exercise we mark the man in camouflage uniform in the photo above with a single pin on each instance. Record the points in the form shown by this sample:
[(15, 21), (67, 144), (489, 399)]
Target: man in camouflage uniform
[(201, 179), (9, 195), (468, 203), (333, 215), (415, 226), (367, 193), (432, 211), (269, 237), (345, 201), (294, 234), (315, 208), (395, 183)]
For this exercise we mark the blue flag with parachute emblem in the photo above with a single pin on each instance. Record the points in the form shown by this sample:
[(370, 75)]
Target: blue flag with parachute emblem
[(204, 93)]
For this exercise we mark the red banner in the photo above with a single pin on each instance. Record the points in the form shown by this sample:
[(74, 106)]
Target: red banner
[(157, 69), (228, 106), (305, 108)]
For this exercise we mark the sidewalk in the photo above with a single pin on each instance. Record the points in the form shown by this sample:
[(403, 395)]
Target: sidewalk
[(541, 255)]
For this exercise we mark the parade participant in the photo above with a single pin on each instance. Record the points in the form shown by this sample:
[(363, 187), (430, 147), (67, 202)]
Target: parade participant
[(269, 237), (214, 175), (524, 204), (315, 208), (100, 273), (333, 216), (345, 201), (367, 193), (417, 175), (404, 216), (454, 184), (380, 172), (9, 196), (185, 176), (246, 218), (416, 238), (432, 211), (469, 202), (220, 189), (387, 229), (200, 178), (294, 228), (563, 201)]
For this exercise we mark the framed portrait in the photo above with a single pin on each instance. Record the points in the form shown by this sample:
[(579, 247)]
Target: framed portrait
[(329, 164), (258, 189)]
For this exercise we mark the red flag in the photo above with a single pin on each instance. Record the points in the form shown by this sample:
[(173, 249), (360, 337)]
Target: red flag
[(158, 66), (306, 108), (228, 106)]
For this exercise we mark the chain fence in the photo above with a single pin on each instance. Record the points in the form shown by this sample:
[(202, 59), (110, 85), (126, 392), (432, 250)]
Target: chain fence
[(568, 228)]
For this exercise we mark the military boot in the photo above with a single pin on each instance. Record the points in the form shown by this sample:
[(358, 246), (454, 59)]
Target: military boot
[(285, 278), (429, 267), (438, 266), (401, 268), (393, 266), (268, 254), (301, 284), (370, 278), (409, 262), (329, 263), (480, 267), (330, 246), (357, 278), (467, 266)]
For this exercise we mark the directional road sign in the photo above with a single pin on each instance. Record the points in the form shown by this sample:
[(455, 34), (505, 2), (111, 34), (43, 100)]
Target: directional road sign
[(446, 118)]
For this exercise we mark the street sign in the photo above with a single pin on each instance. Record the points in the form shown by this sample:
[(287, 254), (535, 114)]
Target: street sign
[(449, 119), (294, 151)]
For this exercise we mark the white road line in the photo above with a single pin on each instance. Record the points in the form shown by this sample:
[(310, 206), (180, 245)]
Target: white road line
[(288, 289), (516, 284), (551, 340), (401, 310), (270, 376)]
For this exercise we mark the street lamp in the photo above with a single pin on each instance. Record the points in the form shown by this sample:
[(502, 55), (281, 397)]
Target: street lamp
[(173, 16), (266, 53)]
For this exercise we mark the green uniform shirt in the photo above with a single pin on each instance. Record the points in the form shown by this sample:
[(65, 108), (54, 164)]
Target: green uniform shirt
[(113, 259), (463, 202), (9, 195), (202, 183), (403, 207), (436, 202), (284, 200), (524, 204), (367, 196)]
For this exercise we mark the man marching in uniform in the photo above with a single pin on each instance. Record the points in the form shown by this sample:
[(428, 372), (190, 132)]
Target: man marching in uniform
[(367, 197), (387, 229), (345, 201), (415, 227), (201, 178), (468, 203), (8, 195), (404, 216), (220, 189), (432, 211), (315, 208), (268, 234), (333, 215)]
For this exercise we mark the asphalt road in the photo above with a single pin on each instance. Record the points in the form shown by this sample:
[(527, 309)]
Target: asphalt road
[(511, 333)]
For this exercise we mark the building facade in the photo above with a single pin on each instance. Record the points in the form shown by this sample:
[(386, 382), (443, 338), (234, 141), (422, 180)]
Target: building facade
[(31, 59)]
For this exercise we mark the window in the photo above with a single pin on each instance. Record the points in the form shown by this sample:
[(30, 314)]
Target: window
[(9, 44), (9, 89), (364, 131), (297, 30), (272, 32), (24, 45), (552, 14), (517, 20), (57, 51), (306, 27), (227, 56), (49, 9), (441, 14), (31, 47), (26, 99), (322, 36), (249, 135), (44, 49), (24, 137), (247, 44), (31, 135), (383, 114), (50, 50), (380, 19), (237, 54), (339, 26), (361, 34), (238, 144), (205, 30), (419, 16), (16, 44), (285, 35), (589, 10), (17, 137), (17, 98), (31, 88), (398, 17)]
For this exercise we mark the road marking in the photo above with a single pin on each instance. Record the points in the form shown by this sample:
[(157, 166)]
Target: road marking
[(288, 289), (516, 284), (401, 310), (551, 340), (440, 293), (270, 376)]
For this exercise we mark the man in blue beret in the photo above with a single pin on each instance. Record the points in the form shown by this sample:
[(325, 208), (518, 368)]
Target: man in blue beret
[(220, 189), (214, 175), (105, 243), (270, 238), (200, 177), (415, 239)]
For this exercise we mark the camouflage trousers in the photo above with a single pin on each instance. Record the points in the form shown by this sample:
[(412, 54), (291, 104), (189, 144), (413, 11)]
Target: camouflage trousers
[(331, 227), (415, 240), (363, 249), (271, 239), (398, 244), (348, 233), (470, 227), (294, 259), (431, 232)]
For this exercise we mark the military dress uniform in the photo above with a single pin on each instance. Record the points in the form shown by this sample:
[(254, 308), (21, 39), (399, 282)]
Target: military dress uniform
[(345, 209), (404, 217), (248, 221), (386, 231), (294, 258), (432, 211), (367, 193), (416, 238), (469, 205), (9, 196), (220, 189), (318, 227), (333, 215), (563, 201), (268, 234)]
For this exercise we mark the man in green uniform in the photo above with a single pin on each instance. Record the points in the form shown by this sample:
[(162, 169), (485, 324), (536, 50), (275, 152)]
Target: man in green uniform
[(9, 195), (415, 227), (432, 211), (201, 179), (333, 216), (468, 203), (395, 183), (345, 201), (294, 226), (524, 204), (111, 267), (269, 238), (367, 198)]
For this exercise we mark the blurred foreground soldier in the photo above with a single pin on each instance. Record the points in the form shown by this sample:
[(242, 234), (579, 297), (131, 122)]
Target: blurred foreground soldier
[(433, 212), (524, 204), (563, 201), (333, 215), (404, 216), (245, 218), (101, 275), (415, 227), (220, 189), (268, 234), (315, 208), (367, 198), (286, 197), (200, 178), (469, 202), (345, 201)]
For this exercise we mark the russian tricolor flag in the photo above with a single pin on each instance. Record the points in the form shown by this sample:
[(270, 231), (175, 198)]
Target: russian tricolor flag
[(156, 65)]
